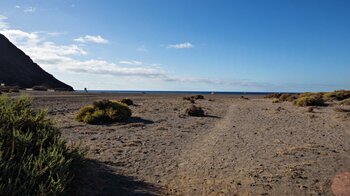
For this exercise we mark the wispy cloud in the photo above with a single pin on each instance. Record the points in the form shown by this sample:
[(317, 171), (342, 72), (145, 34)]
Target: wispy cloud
[(30, 10), (17, 6), (68, 58), (186, 45), (3, 23), (131, 62), (91, 38)]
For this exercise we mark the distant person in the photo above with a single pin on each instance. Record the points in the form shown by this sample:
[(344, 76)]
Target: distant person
[(85, 89)]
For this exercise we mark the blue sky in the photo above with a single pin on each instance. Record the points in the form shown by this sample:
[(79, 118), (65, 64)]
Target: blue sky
[(270, 45)]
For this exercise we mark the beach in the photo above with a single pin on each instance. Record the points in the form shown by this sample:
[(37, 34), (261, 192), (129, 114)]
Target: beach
[(241, 146)]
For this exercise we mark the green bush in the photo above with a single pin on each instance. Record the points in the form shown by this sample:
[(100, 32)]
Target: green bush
[(104, 112), (127, 101), (34, 160), (309, 101), (195, 111)]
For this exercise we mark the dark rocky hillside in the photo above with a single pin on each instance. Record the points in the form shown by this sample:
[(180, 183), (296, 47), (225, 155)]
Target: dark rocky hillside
[(18, 69)]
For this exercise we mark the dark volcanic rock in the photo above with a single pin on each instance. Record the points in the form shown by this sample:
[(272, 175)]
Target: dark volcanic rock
[(18, 69)]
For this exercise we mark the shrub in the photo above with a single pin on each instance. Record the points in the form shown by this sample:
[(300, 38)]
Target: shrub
[(337, 95), (195, 111), (309, 101), (198, 97), (104, 112), (275, 101), (273, 96), (245, 98), (127, 101), (40, 88), (345, 102), (194, 97), (186, 98), (287, 97), (34, 160)]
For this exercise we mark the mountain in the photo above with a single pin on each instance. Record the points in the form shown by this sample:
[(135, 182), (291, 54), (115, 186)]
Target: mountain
[(18, 69)]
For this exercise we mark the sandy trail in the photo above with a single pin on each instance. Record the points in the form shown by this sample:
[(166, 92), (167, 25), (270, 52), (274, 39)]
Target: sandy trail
[(199, 160), (255, 151)]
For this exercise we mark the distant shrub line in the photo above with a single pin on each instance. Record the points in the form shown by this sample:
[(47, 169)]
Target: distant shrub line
[(312, 99)]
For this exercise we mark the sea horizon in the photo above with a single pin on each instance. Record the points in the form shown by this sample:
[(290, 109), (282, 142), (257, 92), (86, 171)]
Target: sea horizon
[(186, 92)]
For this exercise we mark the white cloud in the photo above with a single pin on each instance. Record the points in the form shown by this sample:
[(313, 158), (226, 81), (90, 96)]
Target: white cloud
[(30, 9), (3, 23), (17, 6), (186, 45), (90, 38), (131, 62), (69, 58)]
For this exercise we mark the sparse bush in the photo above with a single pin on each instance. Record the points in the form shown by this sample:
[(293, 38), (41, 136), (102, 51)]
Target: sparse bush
[(316, 95), (186, 98), (104, 112), (40, 88), (198, 97), (273, 96), (34, 160), (337, 95), (287, 97), (194, 97), (127, 101), (313, 100), (345, 102), (275, 101), (211, 100), (195, 111), (245, 98)]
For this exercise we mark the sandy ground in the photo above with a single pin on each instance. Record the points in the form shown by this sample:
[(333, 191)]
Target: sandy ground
[(242, 147)]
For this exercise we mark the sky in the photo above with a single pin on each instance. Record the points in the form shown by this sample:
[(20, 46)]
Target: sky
[(192, 45)]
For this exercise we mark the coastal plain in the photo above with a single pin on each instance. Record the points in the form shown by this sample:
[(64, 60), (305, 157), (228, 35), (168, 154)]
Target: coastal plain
[(247, 146)]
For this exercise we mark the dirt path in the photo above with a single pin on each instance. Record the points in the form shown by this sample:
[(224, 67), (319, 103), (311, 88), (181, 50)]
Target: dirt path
[(253, 150), (200, 159)]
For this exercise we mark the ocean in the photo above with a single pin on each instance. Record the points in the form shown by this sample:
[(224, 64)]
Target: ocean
[(183, 92)]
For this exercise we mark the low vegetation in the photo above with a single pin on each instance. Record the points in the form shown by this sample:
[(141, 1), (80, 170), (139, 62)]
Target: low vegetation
[(193, 98), (309, 101), (312, 99), (282, 97), (40, 88), (195, 111), (9, 89), (127, 101), (345, 102), (34, 160), (337, 95), (104, 112)]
